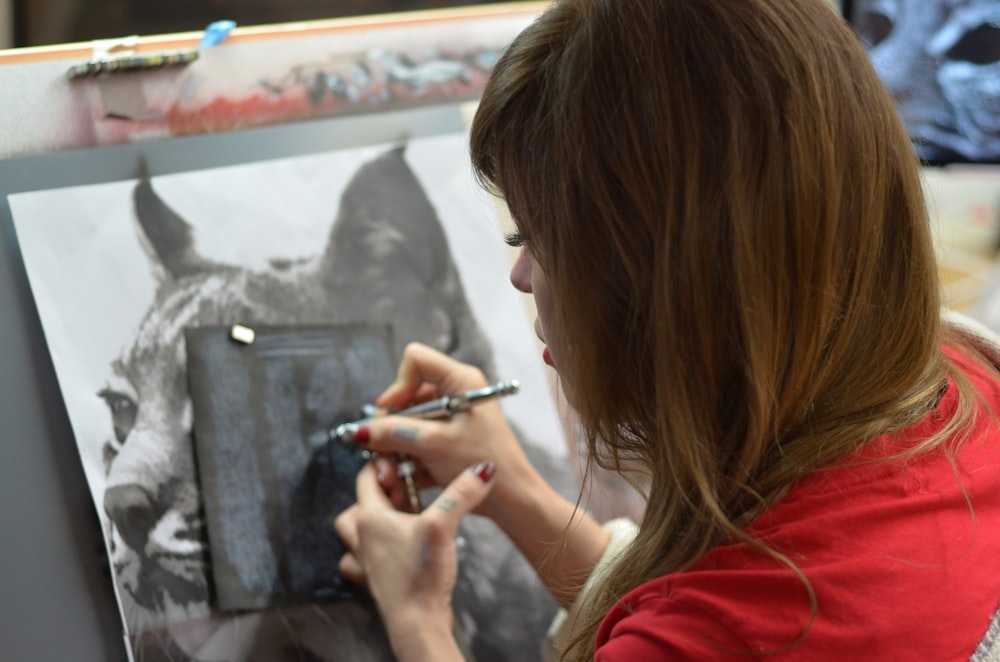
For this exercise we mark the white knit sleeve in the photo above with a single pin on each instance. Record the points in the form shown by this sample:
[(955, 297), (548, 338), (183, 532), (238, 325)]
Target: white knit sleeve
[(622, 532)]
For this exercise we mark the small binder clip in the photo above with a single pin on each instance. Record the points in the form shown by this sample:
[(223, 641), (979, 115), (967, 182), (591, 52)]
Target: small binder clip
[(242, 334)]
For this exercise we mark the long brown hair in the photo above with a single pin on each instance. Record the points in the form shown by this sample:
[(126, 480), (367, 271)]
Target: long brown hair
[(729, 213)]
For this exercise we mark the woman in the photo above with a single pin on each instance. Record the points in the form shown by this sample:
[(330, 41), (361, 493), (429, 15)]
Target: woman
[(721, 222)]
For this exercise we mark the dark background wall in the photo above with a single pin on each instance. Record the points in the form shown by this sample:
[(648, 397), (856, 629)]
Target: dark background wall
[(40, 22)]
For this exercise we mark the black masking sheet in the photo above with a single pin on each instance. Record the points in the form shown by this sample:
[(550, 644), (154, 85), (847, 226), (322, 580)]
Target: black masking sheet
[(271, 485)]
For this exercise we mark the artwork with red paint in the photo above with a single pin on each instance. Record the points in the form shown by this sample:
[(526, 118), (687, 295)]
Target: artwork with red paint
[(291, 73)]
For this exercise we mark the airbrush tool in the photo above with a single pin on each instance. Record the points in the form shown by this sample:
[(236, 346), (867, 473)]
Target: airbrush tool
[(444, 407)]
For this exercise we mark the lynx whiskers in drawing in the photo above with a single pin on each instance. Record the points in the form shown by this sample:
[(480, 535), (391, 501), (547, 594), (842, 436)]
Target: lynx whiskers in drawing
[(386, 261)]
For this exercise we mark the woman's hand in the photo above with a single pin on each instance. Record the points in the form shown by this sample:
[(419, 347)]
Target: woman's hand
[(562, 543), (445, 448), (410, 561)]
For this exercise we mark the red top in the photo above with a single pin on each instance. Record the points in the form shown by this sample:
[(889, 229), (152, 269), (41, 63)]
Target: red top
[(900, 567)]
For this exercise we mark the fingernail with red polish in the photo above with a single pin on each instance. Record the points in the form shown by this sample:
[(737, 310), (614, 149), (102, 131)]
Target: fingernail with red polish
[(485, 470), (362, 435)]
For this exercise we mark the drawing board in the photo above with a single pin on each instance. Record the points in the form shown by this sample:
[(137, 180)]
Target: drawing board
[(385, 233)]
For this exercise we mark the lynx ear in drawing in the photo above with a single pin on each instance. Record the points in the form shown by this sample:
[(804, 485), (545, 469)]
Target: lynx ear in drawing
[(166, 237), (386, 261)]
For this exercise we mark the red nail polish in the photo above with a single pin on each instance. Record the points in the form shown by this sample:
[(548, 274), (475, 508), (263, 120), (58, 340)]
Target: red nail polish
[(485, 470), (362, 435)]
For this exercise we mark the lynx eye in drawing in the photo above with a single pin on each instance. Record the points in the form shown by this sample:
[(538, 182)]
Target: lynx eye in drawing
[(123, 412)]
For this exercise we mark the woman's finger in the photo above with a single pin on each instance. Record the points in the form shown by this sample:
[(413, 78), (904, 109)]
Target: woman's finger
[(351, 569), (461, 496), (345, 524), (369, 491), (402, 434), (385, 470), (425, 392), (422, 364)]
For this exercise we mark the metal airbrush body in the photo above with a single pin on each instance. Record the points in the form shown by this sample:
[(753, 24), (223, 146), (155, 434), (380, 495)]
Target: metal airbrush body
[(443, 407)]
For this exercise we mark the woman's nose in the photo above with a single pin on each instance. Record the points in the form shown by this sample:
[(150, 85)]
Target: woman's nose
[(520, 273)]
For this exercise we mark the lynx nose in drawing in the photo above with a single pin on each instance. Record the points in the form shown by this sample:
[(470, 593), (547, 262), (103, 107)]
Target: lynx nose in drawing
[(150, 495)]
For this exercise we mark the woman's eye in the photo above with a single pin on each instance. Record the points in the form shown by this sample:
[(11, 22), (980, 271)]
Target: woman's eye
[(513, 239)]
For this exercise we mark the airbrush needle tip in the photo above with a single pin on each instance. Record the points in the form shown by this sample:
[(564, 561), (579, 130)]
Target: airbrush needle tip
[(344, 432)]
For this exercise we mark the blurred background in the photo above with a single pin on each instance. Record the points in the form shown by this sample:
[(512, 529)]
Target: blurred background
[(41, 22)]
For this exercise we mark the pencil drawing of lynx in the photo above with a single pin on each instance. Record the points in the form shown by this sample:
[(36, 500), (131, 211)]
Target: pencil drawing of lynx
[(386, 262)]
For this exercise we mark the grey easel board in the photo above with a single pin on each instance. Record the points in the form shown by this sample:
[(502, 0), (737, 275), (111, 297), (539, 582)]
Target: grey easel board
[(59, 602)]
